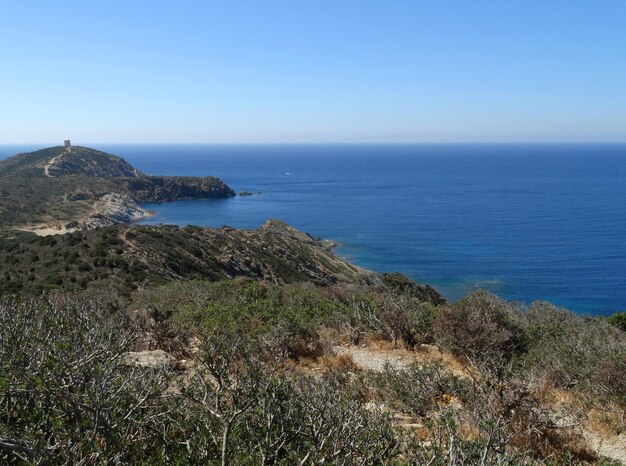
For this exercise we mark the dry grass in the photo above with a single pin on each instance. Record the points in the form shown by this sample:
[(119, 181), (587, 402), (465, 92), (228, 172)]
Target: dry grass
[(376, 341), (457, 366), (341, 362), (607, 421)]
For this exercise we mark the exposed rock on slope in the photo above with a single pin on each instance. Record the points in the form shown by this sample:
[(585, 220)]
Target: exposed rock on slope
[(112, 209)]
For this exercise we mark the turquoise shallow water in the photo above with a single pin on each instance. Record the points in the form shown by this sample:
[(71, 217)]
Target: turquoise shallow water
[(526, 221)]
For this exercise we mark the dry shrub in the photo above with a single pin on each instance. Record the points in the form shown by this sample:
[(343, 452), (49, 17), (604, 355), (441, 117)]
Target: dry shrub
[(567, 446), (405, 319), (456, 365), (71, 398), (377, 342), (481, 327), (574, 352), (342, 294), (509, 416), (329, 339), (610, 378), (296, 346), (400, 319), (536, 433), (157, 331)]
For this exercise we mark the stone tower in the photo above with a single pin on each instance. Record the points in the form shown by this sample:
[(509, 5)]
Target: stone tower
[(67, 145)]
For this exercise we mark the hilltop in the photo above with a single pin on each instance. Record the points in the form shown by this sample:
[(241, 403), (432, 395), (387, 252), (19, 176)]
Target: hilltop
[(58, 161), (60, 189)]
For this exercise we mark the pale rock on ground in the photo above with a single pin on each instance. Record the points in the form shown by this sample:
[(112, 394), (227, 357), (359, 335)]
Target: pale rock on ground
[(155, 359)]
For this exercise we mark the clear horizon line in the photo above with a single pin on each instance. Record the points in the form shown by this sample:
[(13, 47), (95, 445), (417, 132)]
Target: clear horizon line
[(431, 143)]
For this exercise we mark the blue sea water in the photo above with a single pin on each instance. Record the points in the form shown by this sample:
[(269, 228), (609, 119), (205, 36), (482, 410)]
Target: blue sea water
[(525, 221)]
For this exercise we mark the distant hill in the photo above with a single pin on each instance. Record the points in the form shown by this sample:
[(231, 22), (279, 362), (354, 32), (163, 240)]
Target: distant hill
[(56, 161), (80, 187), (126, 257)]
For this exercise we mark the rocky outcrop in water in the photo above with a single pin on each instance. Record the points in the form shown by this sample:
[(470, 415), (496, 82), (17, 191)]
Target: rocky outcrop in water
[(172, 188)]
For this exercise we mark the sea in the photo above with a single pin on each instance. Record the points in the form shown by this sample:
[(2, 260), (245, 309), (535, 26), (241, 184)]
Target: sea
[(526, 221)]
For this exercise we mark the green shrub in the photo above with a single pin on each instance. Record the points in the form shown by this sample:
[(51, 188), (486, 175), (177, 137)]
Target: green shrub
[(288, 316), (84, 266), (401, 284), (618, 319), (418, 389), (53, 279), (64, 394)]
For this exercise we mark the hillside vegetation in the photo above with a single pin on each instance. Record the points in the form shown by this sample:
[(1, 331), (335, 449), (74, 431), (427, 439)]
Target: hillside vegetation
[(167, 345), (123, 258), (54, 162), (246, 372)]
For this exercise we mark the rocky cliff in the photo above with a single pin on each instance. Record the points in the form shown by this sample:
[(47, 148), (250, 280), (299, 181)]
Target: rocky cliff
[(171, 188)]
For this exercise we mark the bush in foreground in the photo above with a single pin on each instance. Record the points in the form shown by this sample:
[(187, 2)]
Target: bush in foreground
[(67, 395), (483, 328), (573, 351)]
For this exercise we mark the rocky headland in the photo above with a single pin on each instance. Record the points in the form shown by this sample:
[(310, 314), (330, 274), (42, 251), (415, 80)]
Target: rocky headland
[(61, 189)]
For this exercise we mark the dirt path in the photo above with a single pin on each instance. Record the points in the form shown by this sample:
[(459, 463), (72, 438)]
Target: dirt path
[(47, 230), (46, 168), (613, 447), (375, 359)]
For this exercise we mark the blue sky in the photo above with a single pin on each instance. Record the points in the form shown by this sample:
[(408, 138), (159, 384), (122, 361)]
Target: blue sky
[(312, 71)]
